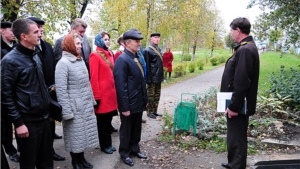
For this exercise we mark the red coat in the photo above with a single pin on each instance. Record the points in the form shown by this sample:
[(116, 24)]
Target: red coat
[(102, 81), (117, 55), (168, 58)]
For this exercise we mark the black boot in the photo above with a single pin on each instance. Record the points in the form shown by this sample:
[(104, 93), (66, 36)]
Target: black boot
[(83, 161), (75, 161)]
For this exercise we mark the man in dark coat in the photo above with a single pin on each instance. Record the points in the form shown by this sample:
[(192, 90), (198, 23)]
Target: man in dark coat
[(241, 78), (131, 95), (7, 44), (155, 74), (25, 99), (48, 65)]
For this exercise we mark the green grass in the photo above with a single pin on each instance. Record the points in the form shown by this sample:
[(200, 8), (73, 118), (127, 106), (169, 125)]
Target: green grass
[(271, 62)]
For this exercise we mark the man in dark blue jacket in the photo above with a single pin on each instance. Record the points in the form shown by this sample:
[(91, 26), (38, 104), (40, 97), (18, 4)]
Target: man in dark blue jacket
[(131, 95), (25, 99), (241, 78)]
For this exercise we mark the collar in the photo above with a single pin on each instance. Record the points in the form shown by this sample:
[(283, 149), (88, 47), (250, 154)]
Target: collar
[(25, 51), (130, 54), (71, 57), (156, 46), (247, 39)]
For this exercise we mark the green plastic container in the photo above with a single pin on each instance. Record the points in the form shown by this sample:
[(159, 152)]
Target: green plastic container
[(185, 115)]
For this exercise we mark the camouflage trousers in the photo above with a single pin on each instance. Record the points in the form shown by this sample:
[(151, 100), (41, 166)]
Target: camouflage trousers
[(153, 91)]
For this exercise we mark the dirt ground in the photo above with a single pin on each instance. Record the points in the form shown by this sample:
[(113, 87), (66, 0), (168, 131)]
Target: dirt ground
[(162, 155)]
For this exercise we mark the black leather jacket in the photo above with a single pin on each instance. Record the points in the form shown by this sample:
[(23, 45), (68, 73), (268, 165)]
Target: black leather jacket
[(24, 95), (155, 71), (5, 48), (130, 84)]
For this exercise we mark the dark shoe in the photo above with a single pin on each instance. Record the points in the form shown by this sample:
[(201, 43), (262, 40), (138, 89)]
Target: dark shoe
[(76, 161), (56, 136), (225, 165), (15, 158), (143, 121), (156, 114), (57, 157), (152, 116), (107, 150), (140, 155), (128, 161), (112, 148), (76, 165), (83, 161), (113, 129)]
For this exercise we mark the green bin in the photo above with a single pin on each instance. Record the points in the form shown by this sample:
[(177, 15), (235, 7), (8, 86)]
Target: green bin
[(185, 115)]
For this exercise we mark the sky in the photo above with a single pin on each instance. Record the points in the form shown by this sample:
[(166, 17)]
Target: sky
[(231, 9)]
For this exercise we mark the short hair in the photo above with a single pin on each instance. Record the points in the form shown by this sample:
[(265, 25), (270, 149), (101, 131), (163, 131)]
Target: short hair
[(75, 35), (21, 26), (105, 33), (120, 40), (242, 23), (77, 22)]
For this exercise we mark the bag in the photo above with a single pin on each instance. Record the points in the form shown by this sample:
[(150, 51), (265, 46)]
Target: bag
[(55, 108)]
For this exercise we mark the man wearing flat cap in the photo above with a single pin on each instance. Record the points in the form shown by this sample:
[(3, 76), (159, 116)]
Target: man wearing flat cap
[(7, 44), (155, 71), (7, 38), (47, 58), (131, 95)]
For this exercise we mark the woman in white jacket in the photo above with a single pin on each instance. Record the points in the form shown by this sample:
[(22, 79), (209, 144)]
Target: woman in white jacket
[(76, 98)]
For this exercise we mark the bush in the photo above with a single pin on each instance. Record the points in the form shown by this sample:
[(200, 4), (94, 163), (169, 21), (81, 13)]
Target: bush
[(187, 57), (287, 84), (214, 61), (191, 67), (222, 59), (199, 64), (179, 70)]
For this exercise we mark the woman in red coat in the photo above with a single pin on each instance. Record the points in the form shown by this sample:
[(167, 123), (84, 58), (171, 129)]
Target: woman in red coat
[(103, 86), (168, 59)]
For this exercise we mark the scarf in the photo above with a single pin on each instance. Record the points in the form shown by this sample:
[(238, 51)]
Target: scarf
[(68, 45), (100, 42)]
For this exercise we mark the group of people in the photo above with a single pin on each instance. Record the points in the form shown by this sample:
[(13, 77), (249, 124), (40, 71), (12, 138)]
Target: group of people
[(92, 87)]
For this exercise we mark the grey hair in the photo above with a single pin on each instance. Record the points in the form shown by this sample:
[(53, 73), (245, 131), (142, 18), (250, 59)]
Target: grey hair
[(77, 22)]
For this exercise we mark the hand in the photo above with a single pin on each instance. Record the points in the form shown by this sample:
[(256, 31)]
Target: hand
[(22, 131), (126, 113), (230, 113)]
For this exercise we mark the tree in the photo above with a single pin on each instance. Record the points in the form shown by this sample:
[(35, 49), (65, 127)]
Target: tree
[(282, 14), (229, 42), (54, 12)]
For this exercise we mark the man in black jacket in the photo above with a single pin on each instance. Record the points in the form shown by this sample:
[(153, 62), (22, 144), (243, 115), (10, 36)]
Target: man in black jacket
[(131, 95), (155, 74), (25, 98), (241, 78), (7, 44), (48, 64)]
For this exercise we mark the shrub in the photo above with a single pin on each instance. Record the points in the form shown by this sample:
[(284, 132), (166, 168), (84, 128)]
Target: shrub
[(199, 64), (222, 59), (191, 67), (187, 57), (214, 61), (179, 70), (287, 84)]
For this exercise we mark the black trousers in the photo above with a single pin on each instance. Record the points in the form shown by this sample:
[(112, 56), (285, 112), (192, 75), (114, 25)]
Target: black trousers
[(237, 143), (104, 129), (130, 134), (36, 150), (7, 138), (4, 163), (52, 126)]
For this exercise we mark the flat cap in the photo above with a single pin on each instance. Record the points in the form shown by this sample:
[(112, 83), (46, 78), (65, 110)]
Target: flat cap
[(6, 24), (155, 34), (133, 34), (37, 20)]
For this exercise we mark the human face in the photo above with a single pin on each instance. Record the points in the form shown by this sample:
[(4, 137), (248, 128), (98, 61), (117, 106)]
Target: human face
[(41, 30), (235, 34), (7, 34), (133, 45), (31, 39), (80, 30), (106, 41), (155, 40), (77, 43)]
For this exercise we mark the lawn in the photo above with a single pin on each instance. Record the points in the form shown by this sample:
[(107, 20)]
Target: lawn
[(271, 62)]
